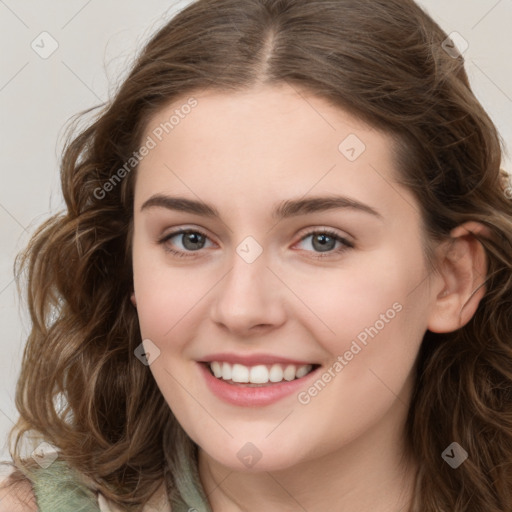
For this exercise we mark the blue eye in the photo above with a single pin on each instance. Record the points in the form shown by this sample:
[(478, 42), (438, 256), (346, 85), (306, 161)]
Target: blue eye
[(324, 242), (191, 240)]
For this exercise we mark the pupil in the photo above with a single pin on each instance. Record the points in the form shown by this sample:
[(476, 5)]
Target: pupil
[(192, 240), (325, 242)]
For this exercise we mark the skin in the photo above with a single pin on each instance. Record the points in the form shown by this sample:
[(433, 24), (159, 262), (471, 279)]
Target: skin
[(244, 153)]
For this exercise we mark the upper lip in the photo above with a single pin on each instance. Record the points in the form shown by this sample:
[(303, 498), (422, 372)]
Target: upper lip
[(252, 359)]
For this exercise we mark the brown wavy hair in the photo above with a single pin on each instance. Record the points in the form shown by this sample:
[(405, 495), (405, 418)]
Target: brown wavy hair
[(383, 61)]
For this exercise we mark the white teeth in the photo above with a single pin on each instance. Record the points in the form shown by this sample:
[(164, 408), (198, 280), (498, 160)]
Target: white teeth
[(302, 371), (289, 372), (240, 373), (276, 373), (226, 371), (216, 369), (259, 374)]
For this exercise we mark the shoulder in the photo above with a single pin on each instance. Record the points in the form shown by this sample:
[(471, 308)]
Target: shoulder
[(17, 496), (159, 502)]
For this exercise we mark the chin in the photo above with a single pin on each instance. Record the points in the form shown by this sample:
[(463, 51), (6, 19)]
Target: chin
[(253, 457)]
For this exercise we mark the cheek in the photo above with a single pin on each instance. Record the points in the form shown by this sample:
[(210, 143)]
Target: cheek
[(155, 290), (168, 298), (341, 305)]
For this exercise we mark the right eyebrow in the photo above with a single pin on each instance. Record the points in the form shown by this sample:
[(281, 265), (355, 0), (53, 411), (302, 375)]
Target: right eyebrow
[(286, 209), (180, 204)]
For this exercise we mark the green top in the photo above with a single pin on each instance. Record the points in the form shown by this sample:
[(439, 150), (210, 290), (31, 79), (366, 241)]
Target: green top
[(58, 489)]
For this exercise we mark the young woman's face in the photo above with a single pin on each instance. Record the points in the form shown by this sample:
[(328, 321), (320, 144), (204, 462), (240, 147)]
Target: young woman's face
[(302, 253)]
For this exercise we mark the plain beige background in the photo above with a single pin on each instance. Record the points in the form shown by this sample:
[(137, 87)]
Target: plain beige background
[(94, 43)]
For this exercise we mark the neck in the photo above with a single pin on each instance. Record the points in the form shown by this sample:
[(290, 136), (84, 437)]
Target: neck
[(373, 472)]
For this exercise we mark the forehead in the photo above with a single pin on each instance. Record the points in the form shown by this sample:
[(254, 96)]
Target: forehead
[(257, 116), (264, 141)]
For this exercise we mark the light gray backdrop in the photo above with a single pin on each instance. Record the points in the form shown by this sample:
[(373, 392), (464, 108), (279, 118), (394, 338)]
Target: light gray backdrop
[(58, 58)]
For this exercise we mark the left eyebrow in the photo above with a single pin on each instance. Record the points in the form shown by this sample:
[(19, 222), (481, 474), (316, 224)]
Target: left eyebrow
[(285, 209), (292, 208)]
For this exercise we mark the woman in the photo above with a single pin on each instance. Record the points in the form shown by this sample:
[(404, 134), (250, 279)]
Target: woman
[(283, 278)]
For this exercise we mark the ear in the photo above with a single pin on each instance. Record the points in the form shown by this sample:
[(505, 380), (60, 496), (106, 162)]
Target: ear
[(463, 271), (132, 298)]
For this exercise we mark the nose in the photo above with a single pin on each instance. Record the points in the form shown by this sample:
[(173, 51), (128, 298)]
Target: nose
[(249, 299)]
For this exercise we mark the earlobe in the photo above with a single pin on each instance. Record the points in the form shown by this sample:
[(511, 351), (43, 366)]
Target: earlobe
[(132, 298), (463, 270)]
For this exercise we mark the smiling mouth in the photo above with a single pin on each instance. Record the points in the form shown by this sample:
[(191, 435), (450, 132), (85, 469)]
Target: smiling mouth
[(258, 375)]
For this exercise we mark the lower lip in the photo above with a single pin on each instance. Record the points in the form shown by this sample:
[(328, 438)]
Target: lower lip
[(245, 396)]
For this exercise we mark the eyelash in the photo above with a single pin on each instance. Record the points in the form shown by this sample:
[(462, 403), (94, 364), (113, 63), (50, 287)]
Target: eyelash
[(346, 245)]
